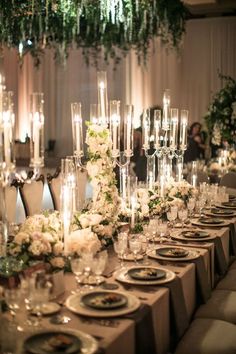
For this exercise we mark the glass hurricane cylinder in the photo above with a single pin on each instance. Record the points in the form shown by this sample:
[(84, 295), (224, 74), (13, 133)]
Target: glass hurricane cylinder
[(7, 123), (37, 130), (77, 129), (115, 127), (128, 130), (102, 97)]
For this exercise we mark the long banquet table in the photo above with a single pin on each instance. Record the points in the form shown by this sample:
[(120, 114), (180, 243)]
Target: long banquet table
[(119, 335)]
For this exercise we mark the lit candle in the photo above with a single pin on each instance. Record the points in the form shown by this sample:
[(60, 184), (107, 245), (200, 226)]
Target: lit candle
[(166, 105), (162, 186), (102, 96), (77, 129), (157, 125), (183, 129), (174, 128), (146, 130), (7, 138), (36, 137), (102, 103), (133, 206), (194, 181)]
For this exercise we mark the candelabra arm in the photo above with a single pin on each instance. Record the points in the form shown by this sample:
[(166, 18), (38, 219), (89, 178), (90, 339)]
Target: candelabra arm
[(122, 165)]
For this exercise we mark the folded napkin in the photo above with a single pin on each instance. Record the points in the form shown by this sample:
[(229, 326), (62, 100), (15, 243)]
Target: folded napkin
[(232, 239), (179, 318), (203, 285), (220, 261), (144, 331)]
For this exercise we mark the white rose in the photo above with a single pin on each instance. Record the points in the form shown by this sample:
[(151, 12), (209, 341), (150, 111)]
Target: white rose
[(84, 220), (36, 248), (22, 237), (95, 219), (58, 262), (58, 248)]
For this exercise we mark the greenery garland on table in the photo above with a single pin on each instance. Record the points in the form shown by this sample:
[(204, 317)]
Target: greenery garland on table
[(221, 116), (33, 25)]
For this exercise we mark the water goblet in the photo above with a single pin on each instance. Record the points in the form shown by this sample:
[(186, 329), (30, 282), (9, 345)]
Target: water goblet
[(99, 266), (14, 299), (191, 205), (183, 215), (135, 247), (88, 261), (77, 267), (162, 230), (120, 248)]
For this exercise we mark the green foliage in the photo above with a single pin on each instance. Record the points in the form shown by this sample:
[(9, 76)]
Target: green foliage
[(221, 109), (91, 25)]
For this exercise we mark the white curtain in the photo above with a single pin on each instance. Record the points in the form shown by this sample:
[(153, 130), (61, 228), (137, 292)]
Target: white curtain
[(209, 46)]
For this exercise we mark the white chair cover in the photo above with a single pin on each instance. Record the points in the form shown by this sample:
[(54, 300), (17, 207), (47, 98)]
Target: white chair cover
[(32, 196), (11, 198)]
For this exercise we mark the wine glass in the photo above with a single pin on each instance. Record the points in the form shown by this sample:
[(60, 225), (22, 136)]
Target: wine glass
[(162, 228), (174, 212), (191, 205), (135, 247), (14, 298), (99, 266), (77, 267), (183, 215), (120, 248), (88, 261), (39, 297)]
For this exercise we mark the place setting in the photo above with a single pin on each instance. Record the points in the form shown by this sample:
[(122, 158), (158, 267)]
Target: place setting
[(144, 275), (171, 253), (193, 235), (220, 212), (231, 204), (205, 221), (60, 341), (102, 303)]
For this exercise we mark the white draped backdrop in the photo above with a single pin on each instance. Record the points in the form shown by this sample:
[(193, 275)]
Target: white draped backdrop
[(209, 46)]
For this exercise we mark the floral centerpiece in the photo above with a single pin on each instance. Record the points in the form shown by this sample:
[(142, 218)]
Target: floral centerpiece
[(40, 238), (180, 190), (99, 221), (221, 115)]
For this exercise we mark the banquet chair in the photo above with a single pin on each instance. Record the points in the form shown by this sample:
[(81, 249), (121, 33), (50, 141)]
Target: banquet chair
[(11, 198), (201, 177), (229, 180), (31, 193), (208, 336), (54, 185)]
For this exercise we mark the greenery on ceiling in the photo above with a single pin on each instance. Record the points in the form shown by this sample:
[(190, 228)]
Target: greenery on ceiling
[(100, 27)]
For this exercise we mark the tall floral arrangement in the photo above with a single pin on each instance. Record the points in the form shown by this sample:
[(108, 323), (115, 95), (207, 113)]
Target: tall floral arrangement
[(102, 214), (221, 115)]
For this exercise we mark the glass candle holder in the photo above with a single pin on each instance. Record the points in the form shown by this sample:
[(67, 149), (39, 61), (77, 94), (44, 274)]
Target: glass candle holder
[(37, 130)]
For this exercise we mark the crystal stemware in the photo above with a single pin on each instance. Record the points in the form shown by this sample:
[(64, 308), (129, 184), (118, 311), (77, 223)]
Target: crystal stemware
[(135, 247), (183, 215), (77, 267), (14, 299), (120, 248)]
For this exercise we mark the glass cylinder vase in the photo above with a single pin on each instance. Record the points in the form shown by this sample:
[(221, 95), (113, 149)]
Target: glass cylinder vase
[(37, 130)]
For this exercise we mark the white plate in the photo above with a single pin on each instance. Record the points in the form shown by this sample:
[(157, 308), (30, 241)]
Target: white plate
[(89, 344), (74, 304), (123, 277), (198, 223), (191, 255), (48, 308), (130, 257), (189, 239)]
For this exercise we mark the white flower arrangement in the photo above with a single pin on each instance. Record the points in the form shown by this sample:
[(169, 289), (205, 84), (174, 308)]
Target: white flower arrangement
[(180, 190), (105, 206), (39, 237), (83, 240)]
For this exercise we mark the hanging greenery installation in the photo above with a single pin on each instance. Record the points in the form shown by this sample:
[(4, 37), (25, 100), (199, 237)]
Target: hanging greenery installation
[(98, 26)]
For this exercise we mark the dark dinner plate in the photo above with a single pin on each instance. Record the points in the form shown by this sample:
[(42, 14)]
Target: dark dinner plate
[(230, 204), (53, 342), (103, 300), (146, 273), (214, 221), (172, 252), (232, 197), (195, 234), (221, 211)]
